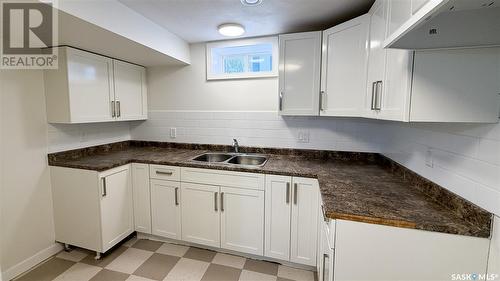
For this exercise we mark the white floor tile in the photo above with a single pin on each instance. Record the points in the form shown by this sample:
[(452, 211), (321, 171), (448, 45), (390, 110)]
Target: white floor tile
[(229, 260), (295, 274), (172, 250), (187, 270), (138, 278), (255, 276), (129, 260), (79, 272), (76, 255)]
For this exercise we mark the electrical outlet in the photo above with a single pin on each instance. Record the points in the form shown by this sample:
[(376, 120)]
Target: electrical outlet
[(303, 137), (428, 158), (173, 133)]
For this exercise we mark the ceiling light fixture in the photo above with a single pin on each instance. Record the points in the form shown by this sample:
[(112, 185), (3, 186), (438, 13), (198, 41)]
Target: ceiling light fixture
[(251, 2), (231, 29)]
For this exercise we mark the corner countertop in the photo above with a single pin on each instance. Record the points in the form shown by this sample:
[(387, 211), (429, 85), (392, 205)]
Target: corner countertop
[(351, 189)]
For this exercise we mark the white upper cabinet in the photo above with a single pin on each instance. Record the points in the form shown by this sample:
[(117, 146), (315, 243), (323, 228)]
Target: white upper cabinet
[(428, 86), (435, 24), (299, 73), (344, 62), (130, 91), (92, 88)]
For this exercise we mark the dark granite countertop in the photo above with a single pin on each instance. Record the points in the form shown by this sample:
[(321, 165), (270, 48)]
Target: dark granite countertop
[(354, 186)]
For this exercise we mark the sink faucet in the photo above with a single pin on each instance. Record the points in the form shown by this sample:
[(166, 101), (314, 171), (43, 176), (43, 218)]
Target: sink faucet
[(236, 146)]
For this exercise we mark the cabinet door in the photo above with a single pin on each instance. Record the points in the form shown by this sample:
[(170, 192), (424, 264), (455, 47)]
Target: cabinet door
[(117, 220), (90, 83), (344, 64), (304, 225), (278, 211), (395, 91), (299, 73), (130, 91), (142, 198), (242, 220), (376, 56), (200, 214), (165, 209)]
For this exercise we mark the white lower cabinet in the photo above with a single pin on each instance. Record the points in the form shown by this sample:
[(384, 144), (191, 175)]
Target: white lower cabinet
[(376, 252), (165, 208), (200, 214), (291, 214), (92, 210), (278, 212), (242, 220), (142, 197)]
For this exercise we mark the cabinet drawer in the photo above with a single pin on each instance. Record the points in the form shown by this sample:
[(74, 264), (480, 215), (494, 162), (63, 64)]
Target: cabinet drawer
[(223, 178), (162, 172)]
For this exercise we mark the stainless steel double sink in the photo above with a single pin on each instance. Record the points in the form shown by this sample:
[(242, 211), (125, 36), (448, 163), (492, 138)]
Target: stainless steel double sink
[(232, 159)]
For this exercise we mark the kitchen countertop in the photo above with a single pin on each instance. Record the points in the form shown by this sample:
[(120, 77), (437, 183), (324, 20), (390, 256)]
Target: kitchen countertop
[(352, 189)]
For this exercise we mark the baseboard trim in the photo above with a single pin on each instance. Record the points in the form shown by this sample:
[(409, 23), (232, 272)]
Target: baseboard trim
[(30, 262)]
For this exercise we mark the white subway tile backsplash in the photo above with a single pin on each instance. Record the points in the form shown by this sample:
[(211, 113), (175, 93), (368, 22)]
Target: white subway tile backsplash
[(264, 129), (71, 136)]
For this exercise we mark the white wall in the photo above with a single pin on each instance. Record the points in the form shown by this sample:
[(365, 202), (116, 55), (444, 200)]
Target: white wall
[(186, 88), (27, 227)]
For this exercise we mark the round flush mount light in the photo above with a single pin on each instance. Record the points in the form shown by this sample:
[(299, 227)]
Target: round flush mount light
[(231, 29), (251, 2)]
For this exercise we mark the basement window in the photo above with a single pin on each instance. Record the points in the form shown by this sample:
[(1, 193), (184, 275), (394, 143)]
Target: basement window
[(237, 59)]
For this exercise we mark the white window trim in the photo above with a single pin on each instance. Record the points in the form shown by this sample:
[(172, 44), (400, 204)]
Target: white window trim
[(242, 42)]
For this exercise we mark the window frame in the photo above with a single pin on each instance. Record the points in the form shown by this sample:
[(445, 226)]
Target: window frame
[(273, 40)]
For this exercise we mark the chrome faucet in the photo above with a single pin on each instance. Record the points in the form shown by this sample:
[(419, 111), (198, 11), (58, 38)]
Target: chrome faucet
[(236, 146)]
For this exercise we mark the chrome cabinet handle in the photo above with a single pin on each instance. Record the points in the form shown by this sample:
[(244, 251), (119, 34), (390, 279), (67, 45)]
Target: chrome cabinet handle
[(373, 95), (295, 193), (113, 109), (287, 199), (379, 96), (164, 173), (215, 201), (321, 100), (281, 101), (118, 110), (104, 189), (222, 201), (176, 196), (325, 256)]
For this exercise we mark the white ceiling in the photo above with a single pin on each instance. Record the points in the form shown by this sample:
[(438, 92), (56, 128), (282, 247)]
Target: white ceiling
[(197, 20)]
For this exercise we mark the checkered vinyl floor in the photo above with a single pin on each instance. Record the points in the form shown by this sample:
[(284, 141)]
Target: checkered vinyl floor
[(146, 260)]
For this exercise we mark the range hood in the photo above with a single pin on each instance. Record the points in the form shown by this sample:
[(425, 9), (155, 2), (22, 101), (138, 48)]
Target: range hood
[(449, 24)]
